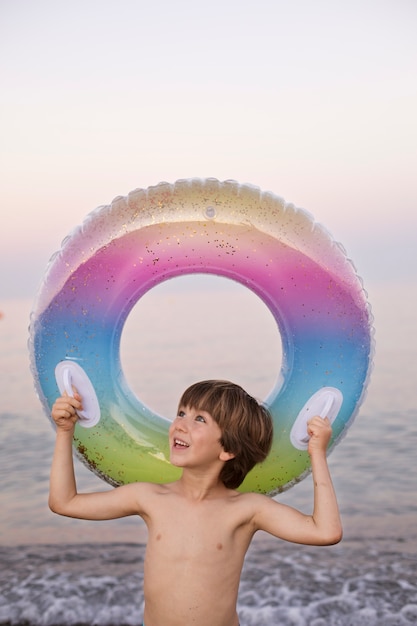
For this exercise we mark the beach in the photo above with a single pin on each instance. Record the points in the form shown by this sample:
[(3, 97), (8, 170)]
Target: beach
[(68, 572)]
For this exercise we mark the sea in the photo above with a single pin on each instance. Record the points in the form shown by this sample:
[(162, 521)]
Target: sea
[(61, 572)]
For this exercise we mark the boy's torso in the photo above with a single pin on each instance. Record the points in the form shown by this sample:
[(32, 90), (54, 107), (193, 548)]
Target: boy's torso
[(194, 558)]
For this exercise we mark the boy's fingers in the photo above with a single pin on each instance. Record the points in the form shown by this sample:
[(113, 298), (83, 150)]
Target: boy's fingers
[(75, 394), (319, 421), (66, 407), (320, 432)]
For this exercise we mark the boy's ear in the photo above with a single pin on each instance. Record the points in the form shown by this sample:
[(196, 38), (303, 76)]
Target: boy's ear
[(226, 456)]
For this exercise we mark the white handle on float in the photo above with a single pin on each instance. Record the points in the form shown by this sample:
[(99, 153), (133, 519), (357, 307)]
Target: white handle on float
[(326, 402), (68, 374)]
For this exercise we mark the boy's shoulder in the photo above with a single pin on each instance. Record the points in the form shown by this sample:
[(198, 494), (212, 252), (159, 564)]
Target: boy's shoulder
[(252, 500), (246, 504), (151, 488)]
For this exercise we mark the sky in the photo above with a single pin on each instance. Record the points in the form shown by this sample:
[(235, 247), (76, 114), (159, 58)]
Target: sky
[(315, 101)]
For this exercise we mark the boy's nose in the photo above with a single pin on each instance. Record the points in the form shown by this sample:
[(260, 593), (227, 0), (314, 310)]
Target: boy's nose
[(180, 423)]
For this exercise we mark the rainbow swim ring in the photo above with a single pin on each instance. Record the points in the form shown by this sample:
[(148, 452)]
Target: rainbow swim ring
[(204, 226)]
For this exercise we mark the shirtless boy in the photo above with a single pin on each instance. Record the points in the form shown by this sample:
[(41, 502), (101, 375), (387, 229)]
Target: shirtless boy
[(200, 527)]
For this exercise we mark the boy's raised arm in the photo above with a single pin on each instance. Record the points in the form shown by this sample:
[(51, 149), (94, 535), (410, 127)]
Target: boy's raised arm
[(63, 496), (326, 515), (62, 485), (323, 526)]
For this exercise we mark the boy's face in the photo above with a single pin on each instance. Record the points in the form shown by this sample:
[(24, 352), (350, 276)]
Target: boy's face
[(194, 439)]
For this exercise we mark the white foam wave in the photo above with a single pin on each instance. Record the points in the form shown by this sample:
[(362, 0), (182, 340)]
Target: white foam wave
[(291, 586)]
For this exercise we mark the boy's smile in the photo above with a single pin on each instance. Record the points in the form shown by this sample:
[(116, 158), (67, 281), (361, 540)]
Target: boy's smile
[(179, 443)]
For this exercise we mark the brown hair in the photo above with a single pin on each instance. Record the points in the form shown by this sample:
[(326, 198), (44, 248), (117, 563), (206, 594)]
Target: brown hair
[(246, 425)]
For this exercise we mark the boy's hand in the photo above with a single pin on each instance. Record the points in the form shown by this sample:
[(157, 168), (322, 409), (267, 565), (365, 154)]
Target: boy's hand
[(64, 410), (320, 432)]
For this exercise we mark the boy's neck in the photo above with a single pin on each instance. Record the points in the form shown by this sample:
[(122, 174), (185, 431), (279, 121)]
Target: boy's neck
[(198, 486)]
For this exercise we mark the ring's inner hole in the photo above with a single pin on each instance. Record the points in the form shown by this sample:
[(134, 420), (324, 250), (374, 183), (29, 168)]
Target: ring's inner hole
[(194, 328)]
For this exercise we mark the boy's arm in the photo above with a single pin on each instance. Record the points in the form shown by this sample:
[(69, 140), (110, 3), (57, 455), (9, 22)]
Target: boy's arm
[(63, 496), (324, 526), (326, 515)]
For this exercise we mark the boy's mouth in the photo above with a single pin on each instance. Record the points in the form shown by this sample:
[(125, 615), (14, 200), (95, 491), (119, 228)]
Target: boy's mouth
[(178, 443)]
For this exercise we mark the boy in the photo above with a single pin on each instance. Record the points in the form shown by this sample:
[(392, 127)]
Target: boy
[(200, 527)]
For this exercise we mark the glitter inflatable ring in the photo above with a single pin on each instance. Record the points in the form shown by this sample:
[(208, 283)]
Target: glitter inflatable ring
[(201, 226)]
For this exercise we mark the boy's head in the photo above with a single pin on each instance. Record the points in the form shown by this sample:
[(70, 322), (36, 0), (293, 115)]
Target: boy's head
[(246, 425)]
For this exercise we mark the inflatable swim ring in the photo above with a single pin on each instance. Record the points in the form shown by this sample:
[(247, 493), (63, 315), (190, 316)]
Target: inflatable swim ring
[(201, 226)]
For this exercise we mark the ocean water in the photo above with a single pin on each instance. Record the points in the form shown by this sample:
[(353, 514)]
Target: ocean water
[(56, 571)]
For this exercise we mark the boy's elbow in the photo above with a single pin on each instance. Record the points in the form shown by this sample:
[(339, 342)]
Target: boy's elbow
[(329, 536), (56, 507), (334, 537), (53, 506)]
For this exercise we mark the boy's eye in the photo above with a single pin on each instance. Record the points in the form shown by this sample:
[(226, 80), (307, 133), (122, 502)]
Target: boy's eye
[(200, 418), (181, 413)]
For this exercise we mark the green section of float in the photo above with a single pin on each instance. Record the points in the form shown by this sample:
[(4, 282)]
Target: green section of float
[(112, 453)]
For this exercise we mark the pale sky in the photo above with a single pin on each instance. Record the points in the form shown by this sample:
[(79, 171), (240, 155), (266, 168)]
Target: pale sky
[(313, 100)]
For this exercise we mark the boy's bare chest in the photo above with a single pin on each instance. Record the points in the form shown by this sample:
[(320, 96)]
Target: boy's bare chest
[(194, 531)]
